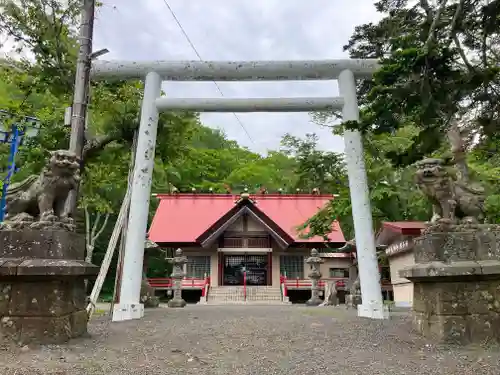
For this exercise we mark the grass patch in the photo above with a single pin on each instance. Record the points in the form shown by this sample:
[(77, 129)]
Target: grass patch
[(107, 298), (100, 312)]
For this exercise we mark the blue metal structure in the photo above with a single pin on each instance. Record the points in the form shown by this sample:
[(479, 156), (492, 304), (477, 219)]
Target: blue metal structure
[(15, 136), (14, 146)]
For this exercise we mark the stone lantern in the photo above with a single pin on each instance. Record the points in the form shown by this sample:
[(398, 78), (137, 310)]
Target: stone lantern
[(178, 262), (314, 261)]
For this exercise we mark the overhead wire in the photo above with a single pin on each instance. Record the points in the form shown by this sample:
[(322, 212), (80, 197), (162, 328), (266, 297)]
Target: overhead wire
[(199, 57)]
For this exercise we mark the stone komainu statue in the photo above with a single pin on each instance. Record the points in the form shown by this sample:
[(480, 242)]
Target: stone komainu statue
[(353, 299), (331, 294), (451, 199), (40, 200)]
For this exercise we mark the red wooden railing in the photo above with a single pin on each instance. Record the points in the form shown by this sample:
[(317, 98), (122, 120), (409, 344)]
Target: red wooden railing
[(284, 289), (206, 286), (306, 283), (166, 282)]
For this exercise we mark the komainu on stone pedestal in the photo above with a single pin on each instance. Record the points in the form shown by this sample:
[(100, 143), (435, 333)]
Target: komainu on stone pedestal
[(39, 202), (354, 297), (331, 294), (452, 200), (456, 275), (42, 290), (148, 297), (457, 285)]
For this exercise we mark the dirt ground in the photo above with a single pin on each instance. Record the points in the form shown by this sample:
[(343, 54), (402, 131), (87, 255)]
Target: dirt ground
[(251, 340)]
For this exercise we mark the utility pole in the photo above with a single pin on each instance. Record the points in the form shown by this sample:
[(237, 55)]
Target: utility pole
[(82, 85), (82, 79)]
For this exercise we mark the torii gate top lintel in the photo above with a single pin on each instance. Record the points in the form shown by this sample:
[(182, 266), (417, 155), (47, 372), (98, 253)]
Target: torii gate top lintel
[(234, 70)]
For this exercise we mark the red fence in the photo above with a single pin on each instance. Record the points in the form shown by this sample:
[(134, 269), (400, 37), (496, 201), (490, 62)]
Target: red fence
[(196, 283), (305, 283), (188, 283)]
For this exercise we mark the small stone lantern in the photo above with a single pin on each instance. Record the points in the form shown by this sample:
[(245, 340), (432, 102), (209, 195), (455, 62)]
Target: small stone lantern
[(178, 262), (314, 261)]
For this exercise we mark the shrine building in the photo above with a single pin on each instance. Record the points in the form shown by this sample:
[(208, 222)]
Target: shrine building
[(247, 240), (398, 240), (248, 247)]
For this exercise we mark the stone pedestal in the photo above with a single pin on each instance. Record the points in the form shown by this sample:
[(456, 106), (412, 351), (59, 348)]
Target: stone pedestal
[(42, 290), (457, 284)]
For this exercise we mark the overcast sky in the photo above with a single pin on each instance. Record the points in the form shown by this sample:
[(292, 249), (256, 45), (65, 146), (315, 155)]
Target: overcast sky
[(238, 30)]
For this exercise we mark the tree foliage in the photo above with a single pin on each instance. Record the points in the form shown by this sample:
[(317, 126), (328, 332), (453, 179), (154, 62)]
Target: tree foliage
[(393, 194), (439, 64), (439, 70)]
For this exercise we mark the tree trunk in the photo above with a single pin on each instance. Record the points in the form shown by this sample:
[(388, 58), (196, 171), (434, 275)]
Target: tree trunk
[(92, 233), (88, 259), (456, 139), (89, 253)]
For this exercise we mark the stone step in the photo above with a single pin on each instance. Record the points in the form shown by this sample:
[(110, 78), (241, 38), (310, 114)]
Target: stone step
[(255, 303), (248, 291), (237, 295), (240, 289), (220, 293), (242, 298)]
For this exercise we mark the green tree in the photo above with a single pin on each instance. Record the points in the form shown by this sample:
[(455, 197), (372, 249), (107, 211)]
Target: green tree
[(439, 65), (42, 87), (46, 29), (438, 84), (393, 194), (315, 169)]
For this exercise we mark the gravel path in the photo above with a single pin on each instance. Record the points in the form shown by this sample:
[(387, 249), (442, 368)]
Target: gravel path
[(251, 340)]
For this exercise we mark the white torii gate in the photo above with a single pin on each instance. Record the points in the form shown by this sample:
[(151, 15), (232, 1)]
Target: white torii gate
[(154, 72)]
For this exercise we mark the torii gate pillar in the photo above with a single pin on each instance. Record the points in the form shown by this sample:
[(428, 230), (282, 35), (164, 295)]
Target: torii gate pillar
[(372, 303), (129, 306)]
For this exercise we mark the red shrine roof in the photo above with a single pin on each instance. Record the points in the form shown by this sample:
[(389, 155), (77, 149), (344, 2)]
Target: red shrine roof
[(193, 218), (405, 227), (391, 230)]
